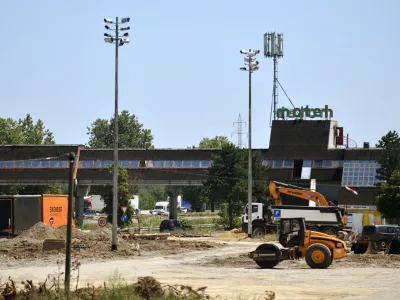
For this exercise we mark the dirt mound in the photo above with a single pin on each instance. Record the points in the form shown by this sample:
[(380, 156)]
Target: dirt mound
[(175, 246), (39, 231), (85, 245)]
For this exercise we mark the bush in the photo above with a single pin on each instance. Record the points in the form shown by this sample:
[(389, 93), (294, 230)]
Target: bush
[(224, 218)]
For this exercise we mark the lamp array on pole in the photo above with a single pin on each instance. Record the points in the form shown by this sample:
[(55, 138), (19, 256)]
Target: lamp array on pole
[(119, 41), (252, 66)]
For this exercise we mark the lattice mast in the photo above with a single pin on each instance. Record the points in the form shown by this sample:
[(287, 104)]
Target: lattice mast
[(239, 131), (273, 48)]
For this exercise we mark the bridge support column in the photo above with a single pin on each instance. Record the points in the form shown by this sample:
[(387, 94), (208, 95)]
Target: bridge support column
[(173, 193), (81, 192)]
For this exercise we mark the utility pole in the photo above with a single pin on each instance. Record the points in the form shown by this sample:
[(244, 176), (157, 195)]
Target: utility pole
[(252, 67), (118, 42), (69, 224)]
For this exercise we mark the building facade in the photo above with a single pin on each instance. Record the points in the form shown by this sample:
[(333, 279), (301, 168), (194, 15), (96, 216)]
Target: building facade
[(301, 150)]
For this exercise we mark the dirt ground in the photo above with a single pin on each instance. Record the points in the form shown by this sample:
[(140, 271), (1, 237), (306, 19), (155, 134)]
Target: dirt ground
[(27, 247), (221, 264)]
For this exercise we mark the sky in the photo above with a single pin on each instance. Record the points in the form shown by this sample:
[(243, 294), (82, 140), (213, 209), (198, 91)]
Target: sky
[(180, 73)]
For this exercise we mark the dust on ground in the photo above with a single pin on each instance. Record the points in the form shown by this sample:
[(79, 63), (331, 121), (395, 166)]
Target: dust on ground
[(349, 261), (87, 245)]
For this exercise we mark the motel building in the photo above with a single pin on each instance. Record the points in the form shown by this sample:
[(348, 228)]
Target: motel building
[(306, 143)]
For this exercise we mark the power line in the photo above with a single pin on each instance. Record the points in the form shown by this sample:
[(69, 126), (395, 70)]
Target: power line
[(239, 131)]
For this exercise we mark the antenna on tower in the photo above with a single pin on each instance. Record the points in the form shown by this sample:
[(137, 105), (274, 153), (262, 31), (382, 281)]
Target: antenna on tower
[(239, 131), (273, 48)]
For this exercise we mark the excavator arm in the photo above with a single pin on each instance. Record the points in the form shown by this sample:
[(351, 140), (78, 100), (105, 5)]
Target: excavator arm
[(294, 191)]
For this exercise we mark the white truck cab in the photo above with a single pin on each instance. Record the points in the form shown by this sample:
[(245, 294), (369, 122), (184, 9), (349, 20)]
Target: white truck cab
[(161, 208)]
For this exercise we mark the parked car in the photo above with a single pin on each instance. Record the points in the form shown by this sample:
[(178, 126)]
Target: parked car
[(173, 224), (380, 235)]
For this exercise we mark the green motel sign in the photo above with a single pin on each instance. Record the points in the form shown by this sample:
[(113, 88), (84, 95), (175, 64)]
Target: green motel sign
[(300, 113)]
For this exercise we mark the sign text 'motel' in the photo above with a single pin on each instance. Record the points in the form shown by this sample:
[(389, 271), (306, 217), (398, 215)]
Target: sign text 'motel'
[(302, 112)]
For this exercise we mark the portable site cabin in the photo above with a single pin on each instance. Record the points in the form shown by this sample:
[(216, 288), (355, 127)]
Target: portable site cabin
[(20, 212)]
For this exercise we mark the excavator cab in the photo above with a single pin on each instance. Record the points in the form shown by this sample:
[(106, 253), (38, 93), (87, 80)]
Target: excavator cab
[(292, 232)]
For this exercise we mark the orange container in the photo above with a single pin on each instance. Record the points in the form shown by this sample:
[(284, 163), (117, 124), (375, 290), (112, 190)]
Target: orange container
[(55, 210)]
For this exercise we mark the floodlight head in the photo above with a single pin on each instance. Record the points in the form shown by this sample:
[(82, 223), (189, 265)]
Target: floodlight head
[(126, 34), (126, 41), (243, 69), (254, 69), (125, 28), (107, 35), (243, 51), (125, 20), (109, 40), (108, 21), (107, 27), (257, 51)]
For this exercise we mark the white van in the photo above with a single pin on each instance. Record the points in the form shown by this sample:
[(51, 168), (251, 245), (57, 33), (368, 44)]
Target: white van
[(161, 208)]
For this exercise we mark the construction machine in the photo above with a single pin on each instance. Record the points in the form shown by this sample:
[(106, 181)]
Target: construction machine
[(295, 242), (302, 193), (325, 217)]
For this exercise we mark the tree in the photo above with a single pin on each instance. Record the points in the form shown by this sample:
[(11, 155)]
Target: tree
[(148, 196), (216, 142), (227, 180), (388, 200), (390, 160), (124, 195), (26, 132), (196, 196), (131, 133)]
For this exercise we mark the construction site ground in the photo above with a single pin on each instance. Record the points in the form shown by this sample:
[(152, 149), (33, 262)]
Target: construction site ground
[(218, 262)]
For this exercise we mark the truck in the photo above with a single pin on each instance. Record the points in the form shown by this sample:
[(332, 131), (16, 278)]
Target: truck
[(325, 217), (162, 207)]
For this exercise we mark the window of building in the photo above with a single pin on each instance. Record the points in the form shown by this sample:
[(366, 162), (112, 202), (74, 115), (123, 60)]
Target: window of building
[(107, 163), (278, 163), (297, 168), (89, 163), (178, 164), (195, 163), (168, 164), (186, 163), (204, 163), (360, 173), (307, 163), (288, 163), (211, 163), (327, 164), (98, 163), (125, 163), (317, 163), (35, 164)]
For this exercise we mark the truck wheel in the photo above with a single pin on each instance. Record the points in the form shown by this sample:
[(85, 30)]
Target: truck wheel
[(318, 256), (329, 230), (258, 233), (383, 244)]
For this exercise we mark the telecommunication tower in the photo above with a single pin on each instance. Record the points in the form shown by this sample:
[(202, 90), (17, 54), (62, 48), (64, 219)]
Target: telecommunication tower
[(273, 48), (239, 131)]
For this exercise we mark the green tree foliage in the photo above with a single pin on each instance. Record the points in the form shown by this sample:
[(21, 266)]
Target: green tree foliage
[(196, 196), (216, 142), (131, 133), (227, 181), (124, 195), (148, 196), (26, 132), (390, 160), (388, 200)]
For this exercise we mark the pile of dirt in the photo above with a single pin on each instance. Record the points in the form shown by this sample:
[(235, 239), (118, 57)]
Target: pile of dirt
[(85, 245)]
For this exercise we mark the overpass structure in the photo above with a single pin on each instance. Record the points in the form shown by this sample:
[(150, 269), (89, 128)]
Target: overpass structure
[(45, 165)]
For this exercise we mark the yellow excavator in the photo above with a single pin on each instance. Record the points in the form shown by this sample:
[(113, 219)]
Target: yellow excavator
[(297, 192), (277, 188)]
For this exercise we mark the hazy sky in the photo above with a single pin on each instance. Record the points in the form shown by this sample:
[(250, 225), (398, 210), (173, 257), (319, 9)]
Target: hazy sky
[(180, 73)]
